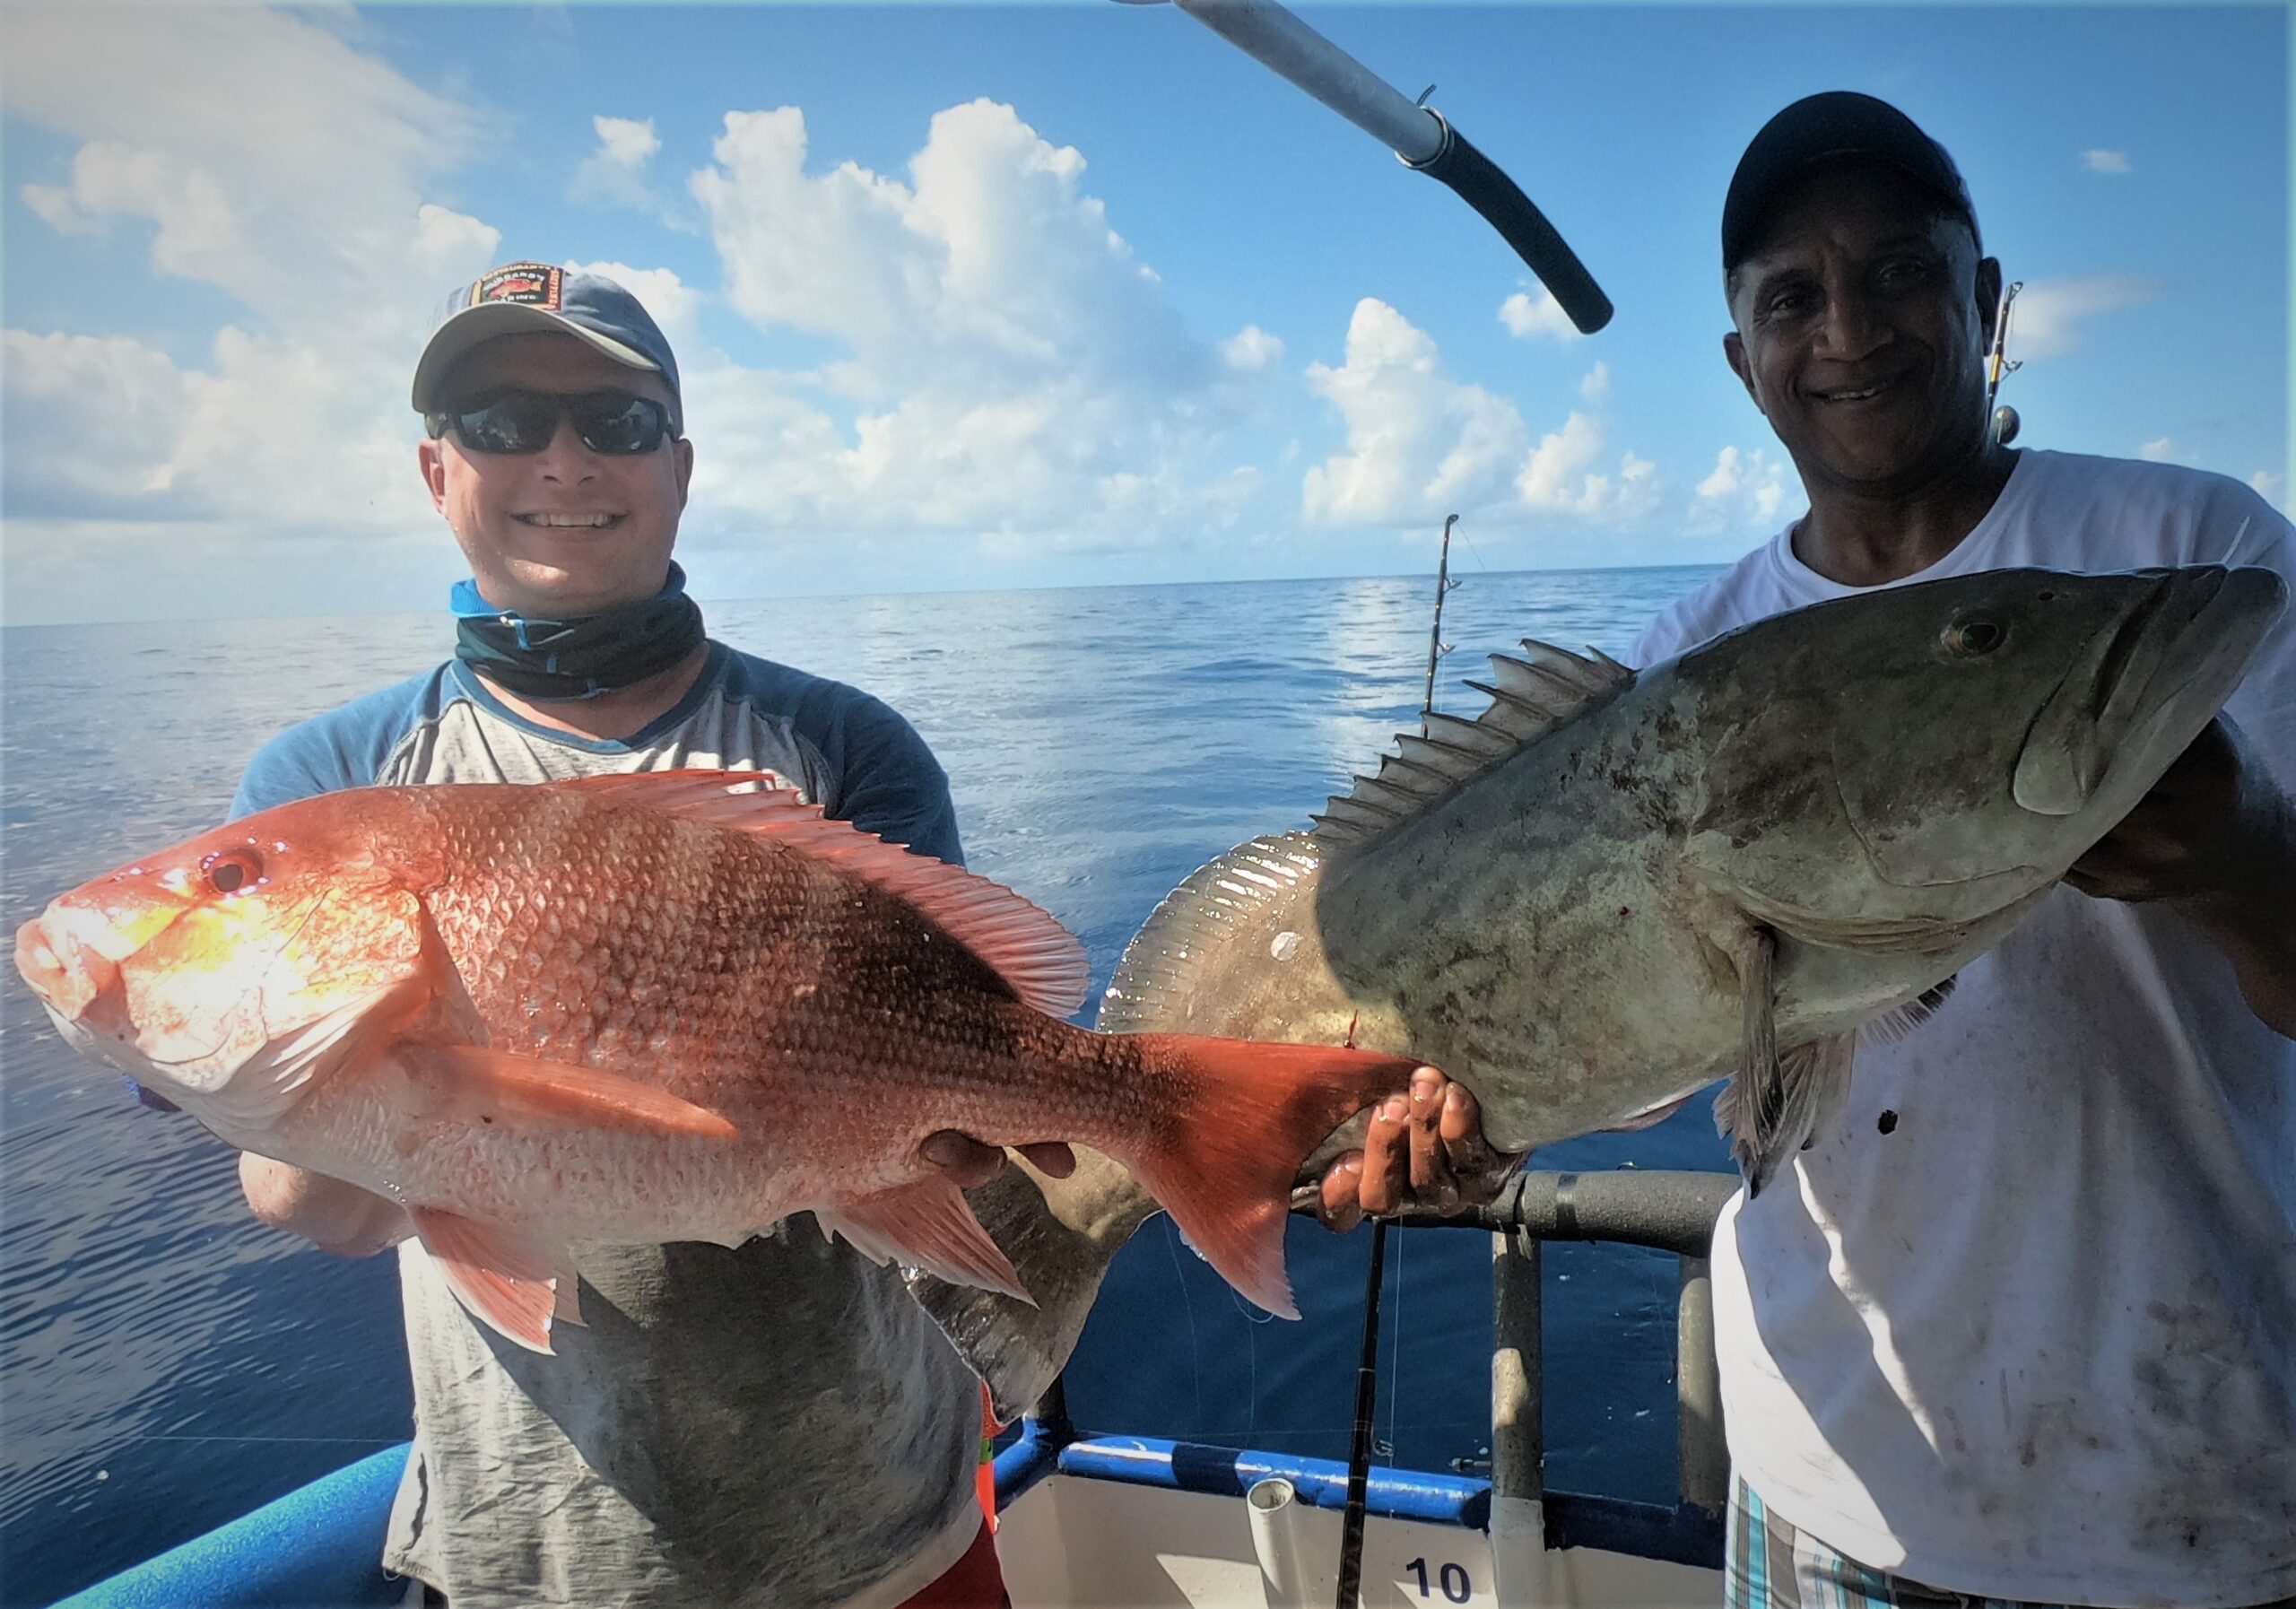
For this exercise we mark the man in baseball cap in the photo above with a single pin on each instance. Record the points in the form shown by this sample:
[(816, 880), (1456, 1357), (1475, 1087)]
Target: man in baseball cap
[(2014, 1327), (669, 1454)]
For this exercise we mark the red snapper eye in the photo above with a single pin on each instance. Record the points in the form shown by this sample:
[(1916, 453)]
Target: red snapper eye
[(230, 871)]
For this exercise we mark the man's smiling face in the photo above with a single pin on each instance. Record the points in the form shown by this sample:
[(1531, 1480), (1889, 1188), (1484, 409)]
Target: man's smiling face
[(565, 531), (1863, 315)]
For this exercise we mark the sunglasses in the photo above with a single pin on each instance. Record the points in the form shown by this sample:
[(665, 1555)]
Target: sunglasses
[(610, 422)]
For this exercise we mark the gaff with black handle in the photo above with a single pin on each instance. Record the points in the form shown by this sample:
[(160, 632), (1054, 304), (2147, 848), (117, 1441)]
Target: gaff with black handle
[(1419, 135)]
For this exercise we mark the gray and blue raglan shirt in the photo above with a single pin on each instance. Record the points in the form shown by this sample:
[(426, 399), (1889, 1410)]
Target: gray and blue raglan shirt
[(775, 1425)]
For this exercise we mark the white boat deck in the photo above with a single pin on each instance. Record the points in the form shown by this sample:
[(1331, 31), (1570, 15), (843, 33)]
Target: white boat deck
[(1071, 1541)]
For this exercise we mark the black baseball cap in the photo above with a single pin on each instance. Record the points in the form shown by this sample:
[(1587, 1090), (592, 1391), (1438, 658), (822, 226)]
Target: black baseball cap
[(1838, 124)]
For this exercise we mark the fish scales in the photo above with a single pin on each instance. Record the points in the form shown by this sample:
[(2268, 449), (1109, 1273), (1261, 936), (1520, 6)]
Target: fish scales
[(768, 977)]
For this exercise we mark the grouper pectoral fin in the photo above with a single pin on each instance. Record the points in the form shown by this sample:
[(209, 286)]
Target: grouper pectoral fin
[(1776, 1104), (1061, 1234)]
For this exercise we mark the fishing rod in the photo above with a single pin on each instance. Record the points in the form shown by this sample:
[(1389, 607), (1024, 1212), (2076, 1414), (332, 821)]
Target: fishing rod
[(2004, 420), (1359, 1446), (1436, 647), (1367, 1361), (1422, 138)]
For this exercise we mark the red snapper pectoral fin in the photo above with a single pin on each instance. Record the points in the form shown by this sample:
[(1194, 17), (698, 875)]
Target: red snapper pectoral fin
[(476, 1084), (927, 1225), (1244, 1117), (507, 1278)]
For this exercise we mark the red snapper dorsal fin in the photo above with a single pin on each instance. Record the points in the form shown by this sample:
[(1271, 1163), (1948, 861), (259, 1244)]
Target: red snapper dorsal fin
[(1022, 942)]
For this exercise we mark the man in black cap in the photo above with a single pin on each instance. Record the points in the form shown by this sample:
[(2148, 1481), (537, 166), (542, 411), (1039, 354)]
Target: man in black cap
[(776, 1424), (2018, 1326)]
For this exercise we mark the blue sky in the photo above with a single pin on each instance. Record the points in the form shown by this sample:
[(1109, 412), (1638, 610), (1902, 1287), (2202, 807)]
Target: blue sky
[(974, 296)]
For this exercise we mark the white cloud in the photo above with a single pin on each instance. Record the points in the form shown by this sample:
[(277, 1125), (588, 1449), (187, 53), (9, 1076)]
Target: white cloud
[(184, 116), (615, 172), (625, 141), (991, 267), (2105, 162), (1013, 366), (2160, 450), (1743, 490), (2045, 321), (2269, 484), (1527, 318), (1560, 459), (1559, 475), (62, 454), (1420, 445), (297, 415), (57, 210), (1251, 349), (1596, 387)]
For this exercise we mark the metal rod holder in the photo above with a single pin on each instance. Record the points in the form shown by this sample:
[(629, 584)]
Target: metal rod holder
[(1702, 1455)]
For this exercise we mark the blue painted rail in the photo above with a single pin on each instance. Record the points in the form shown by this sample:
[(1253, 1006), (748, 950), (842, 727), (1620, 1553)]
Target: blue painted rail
[(319, 1544)]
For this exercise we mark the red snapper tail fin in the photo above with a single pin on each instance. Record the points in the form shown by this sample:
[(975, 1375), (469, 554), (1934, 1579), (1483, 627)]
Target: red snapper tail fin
[(1245, 1117)]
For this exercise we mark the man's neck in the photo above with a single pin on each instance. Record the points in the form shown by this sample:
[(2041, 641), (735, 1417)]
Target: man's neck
[(614, 715), (1862, 541)]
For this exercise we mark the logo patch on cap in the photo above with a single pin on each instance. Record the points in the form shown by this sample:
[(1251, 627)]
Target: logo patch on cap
[(529, 284)]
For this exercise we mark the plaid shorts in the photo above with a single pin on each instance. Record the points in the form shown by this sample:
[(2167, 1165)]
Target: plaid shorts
[(1768, 1564)]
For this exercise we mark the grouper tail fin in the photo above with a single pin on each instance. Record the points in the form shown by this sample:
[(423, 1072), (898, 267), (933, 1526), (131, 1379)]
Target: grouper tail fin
[(1241, 1119)]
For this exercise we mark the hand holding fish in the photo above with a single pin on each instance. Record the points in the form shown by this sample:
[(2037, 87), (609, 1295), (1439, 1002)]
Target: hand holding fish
[(2185, 839), (1424, 1151), (2215, 836)]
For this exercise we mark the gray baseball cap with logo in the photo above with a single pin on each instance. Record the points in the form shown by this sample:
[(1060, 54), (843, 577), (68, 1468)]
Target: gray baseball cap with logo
[(518, 298)]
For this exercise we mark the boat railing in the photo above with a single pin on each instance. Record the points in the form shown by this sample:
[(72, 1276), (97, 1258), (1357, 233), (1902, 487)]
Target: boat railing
[(1664, 1211)]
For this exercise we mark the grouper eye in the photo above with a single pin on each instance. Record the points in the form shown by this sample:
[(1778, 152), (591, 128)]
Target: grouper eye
[(1972, 635), (228, 871)]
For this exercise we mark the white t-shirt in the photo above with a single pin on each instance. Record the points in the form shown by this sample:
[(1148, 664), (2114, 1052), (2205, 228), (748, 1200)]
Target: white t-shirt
[(2024, 1324)]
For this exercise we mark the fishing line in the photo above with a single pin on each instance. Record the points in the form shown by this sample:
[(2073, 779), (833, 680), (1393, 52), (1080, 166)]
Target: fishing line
[(1187, 1307), (1476, 551)]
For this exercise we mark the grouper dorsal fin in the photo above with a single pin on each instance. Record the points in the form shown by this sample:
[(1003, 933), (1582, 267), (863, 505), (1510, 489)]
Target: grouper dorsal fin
[(1530, 697)]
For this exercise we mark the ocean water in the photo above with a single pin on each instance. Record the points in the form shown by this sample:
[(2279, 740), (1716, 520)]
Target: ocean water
[(167, 1363)]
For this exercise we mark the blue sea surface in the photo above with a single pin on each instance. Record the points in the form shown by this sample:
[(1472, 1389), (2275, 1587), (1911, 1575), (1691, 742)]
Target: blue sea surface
[(166, 1364)]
